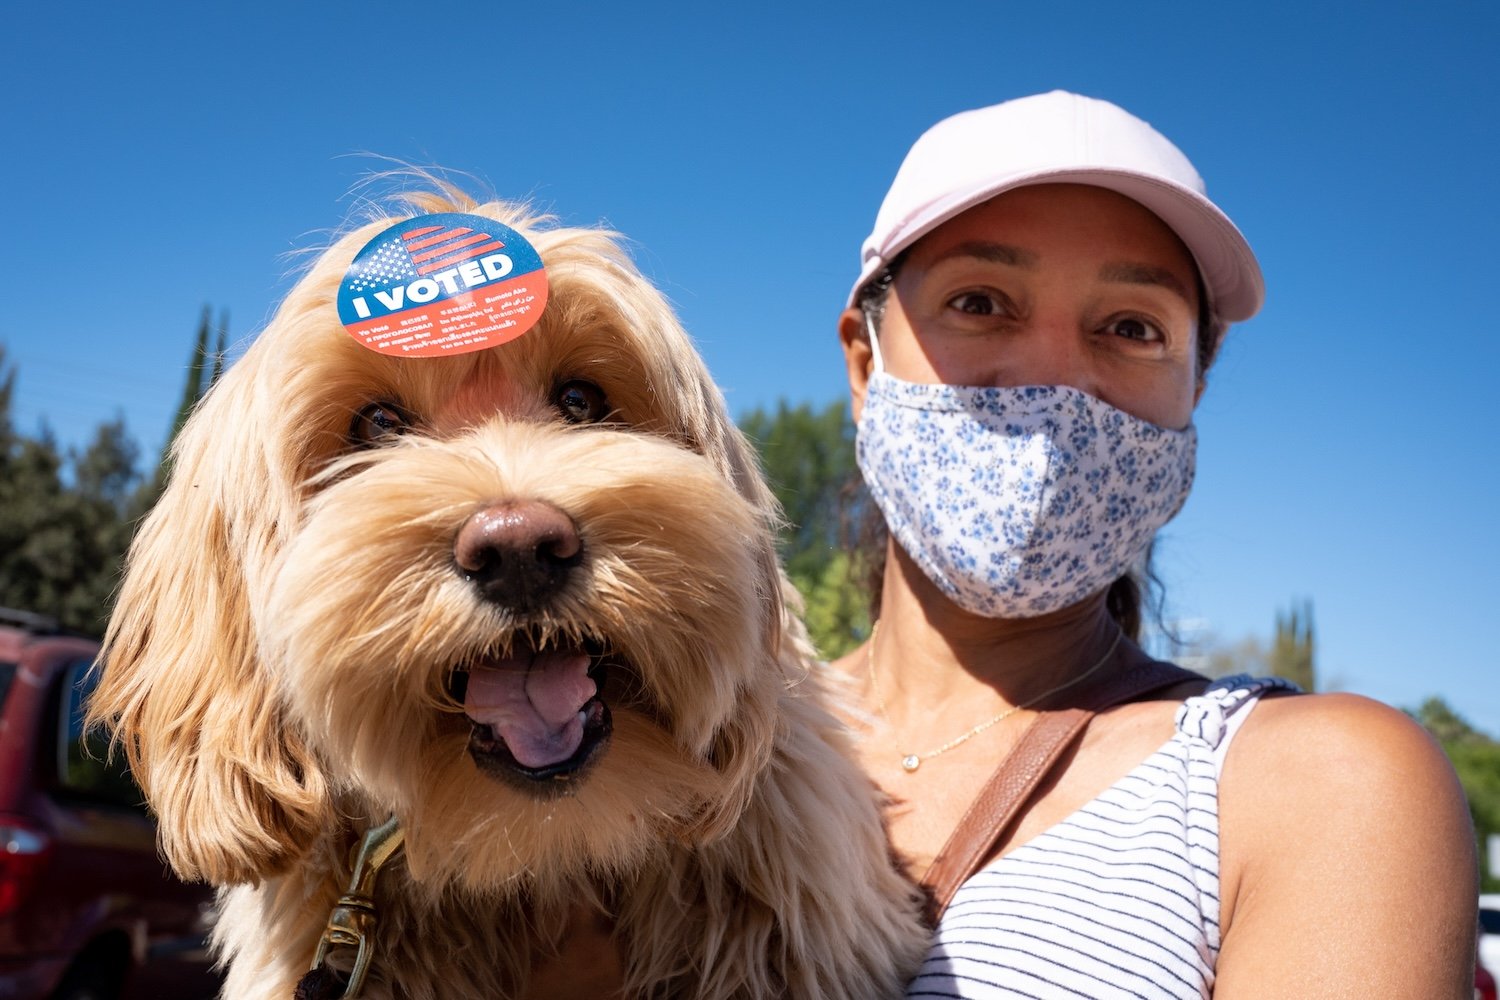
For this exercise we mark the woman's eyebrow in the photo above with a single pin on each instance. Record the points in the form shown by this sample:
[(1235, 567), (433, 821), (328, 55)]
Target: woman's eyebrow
[(993, 253), (1145, 274)]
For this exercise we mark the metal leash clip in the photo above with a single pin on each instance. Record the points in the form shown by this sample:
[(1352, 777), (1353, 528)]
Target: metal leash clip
[(351, 924)]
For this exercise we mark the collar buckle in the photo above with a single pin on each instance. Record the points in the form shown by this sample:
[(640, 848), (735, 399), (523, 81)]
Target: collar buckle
[(351, 924)]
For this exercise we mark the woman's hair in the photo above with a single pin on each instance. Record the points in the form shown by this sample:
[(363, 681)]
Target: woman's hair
[(1129, 598)]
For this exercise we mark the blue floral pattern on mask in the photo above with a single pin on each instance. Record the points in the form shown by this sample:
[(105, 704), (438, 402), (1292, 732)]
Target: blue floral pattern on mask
[(1018, 501)]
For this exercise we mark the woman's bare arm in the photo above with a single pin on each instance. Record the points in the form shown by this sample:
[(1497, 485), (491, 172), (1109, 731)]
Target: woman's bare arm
[(1349, 864)]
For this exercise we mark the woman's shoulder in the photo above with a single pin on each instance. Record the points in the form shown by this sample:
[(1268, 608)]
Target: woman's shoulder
[(1322, 736), (1301, 752), (1341, 813)]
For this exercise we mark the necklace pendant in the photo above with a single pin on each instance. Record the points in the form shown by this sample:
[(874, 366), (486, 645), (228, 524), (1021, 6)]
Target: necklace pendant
[(910, 762)]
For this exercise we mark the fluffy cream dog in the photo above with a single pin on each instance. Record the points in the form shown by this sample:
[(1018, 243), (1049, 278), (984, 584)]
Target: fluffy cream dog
[(525, 600)]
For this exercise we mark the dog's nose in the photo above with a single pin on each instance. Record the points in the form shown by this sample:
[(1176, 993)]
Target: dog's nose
[(519, 553)]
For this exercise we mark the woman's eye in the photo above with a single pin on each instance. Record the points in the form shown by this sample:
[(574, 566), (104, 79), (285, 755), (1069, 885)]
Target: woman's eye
[(975, 304), (580, 402), (1134, 329), (378, 422)]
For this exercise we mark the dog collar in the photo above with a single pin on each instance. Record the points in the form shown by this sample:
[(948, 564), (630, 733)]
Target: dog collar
[(351, 923)]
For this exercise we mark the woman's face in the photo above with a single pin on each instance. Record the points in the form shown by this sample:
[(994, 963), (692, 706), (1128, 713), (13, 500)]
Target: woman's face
[(1056, 284)]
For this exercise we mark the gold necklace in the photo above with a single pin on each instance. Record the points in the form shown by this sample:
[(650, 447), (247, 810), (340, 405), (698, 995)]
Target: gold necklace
[(911, 761)]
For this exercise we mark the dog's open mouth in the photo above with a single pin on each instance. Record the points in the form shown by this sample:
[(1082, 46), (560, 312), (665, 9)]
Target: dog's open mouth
[(537, 714)]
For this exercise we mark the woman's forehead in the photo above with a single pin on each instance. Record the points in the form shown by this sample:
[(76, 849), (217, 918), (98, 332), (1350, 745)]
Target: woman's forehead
[(1038, 225)]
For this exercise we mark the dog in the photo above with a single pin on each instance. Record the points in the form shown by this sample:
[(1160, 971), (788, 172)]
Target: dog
[(526, 601)]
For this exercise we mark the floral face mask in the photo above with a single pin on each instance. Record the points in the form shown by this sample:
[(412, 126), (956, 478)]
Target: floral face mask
[(1018, 501)]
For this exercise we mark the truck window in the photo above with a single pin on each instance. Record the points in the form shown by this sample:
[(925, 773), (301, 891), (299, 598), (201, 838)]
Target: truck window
[(84, 765)]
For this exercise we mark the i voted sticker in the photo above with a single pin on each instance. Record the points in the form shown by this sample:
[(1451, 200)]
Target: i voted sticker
[(442, 284)]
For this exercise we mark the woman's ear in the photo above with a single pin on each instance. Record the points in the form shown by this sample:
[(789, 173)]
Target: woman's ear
[(859, 360), (1201, 364)]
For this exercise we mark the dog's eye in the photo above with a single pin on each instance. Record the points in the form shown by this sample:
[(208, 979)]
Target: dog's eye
[(580, 402), (378, 422)]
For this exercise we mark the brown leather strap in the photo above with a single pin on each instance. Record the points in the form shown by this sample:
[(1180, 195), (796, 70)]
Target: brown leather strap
[(1016, 779)]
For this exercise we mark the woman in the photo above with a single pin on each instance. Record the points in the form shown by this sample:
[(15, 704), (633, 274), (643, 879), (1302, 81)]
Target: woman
[(1041, 296)]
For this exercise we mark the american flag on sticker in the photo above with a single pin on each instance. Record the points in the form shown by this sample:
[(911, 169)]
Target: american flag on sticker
[(423, 251), (433, 248)]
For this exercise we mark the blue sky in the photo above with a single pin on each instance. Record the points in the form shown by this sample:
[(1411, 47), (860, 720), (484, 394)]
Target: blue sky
[(160, 157)]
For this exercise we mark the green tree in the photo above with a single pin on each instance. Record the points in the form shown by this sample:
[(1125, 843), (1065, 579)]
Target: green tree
[(62, 518), (96, 514), (1447, 726), (1476, 758), (837, 613), (66, 519), (204, 369), (31, 500), (1291, 654), (808, 456)]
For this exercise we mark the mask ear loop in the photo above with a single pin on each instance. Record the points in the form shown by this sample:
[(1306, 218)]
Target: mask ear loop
[(874, 343)]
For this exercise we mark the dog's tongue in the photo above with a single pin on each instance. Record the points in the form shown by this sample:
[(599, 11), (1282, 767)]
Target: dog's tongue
[(533, 701)]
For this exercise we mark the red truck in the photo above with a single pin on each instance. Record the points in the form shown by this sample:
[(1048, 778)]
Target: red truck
[(88, 910)]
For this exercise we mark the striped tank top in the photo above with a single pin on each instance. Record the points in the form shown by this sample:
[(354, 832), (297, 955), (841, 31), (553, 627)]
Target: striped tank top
[(1119, 900)]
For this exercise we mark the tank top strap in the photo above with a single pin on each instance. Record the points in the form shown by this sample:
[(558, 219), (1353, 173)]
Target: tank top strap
[(1208, 719)]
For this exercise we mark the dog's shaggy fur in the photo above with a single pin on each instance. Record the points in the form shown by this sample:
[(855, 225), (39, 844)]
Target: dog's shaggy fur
[(280, 667)]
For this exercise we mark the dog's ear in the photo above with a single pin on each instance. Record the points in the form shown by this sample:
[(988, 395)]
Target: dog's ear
[(742, 465), (235, 789), (743, 743)]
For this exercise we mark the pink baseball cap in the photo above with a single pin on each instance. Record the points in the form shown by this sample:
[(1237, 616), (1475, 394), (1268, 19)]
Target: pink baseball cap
[(1062, 138)]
